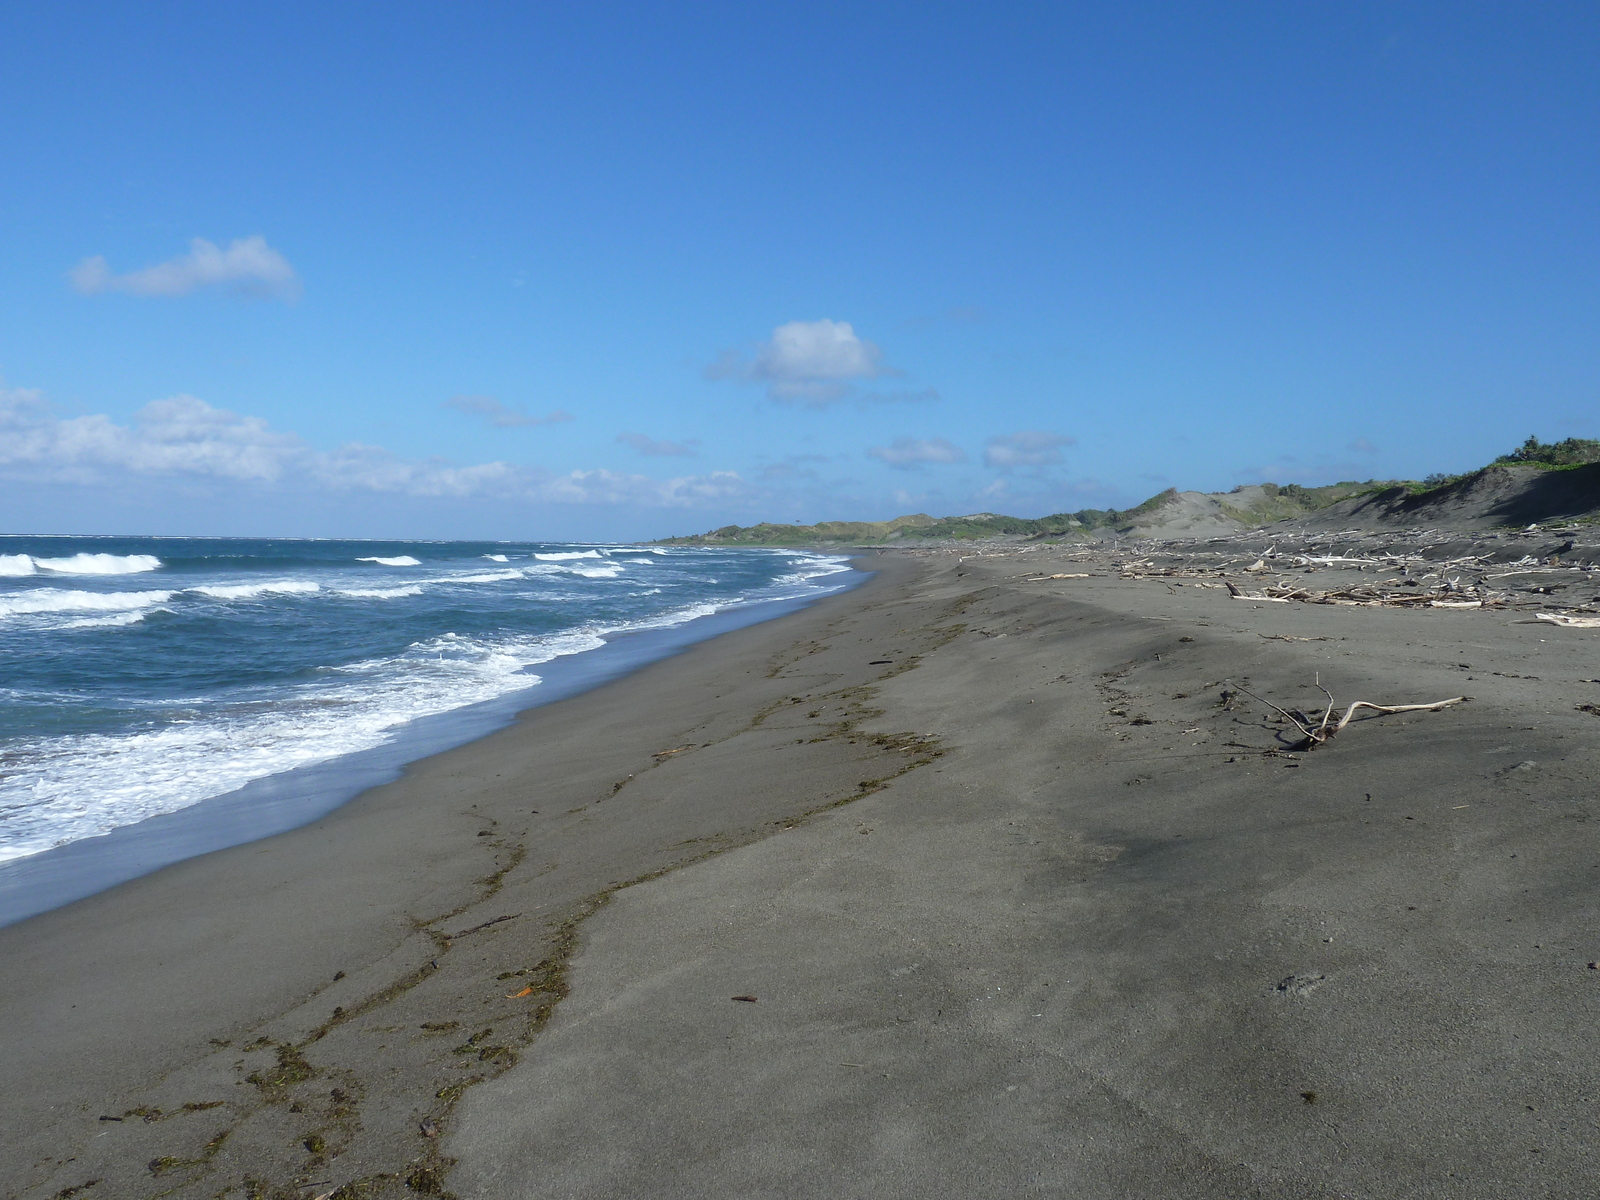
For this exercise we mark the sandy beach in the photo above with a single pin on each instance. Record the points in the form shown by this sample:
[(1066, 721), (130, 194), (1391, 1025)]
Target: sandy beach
[(970, 881)]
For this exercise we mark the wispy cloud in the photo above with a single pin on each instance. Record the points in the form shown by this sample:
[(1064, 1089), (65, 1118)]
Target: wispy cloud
[(651, 448), (1030, 448), (183, 437), (1291, 468), (499, 415), (1362, 446), (811, 362), (924, 396), (620, 488), (907, 453), (248, 267), (791, 467)]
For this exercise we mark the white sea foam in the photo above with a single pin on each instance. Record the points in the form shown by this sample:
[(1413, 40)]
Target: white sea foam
[(381, 593), (403, 560), (99, 564), (677, 616), (813, 568), (484, 577), (54, 600), (497, 558), (62, 789), (126, 618), (248, 591), (15, 565)]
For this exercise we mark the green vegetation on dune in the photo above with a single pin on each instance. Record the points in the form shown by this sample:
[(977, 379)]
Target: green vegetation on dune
[(1269, 502), (921, 527), (1573, 452), (1546, 456), (870, 533)]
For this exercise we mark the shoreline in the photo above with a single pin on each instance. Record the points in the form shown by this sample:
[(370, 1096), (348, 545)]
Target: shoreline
[(201, 984), (274, 804), (1026, 905)]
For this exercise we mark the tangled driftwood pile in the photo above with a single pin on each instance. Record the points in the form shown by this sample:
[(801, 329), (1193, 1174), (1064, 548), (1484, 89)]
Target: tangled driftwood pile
[(1363, 596), (1423, 569), (1543, 573)]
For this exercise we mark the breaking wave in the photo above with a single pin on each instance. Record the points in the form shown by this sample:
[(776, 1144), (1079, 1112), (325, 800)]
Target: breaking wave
[(53, 600), (126, 702), (248, 591), (79, 564)]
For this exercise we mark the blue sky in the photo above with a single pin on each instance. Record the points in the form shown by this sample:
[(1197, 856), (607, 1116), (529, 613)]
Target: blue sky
[(624, 270)]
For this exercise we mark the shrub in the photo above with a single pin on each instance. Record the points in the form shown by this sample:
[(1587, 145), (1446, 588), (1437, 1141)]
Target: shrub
[(1568, 453)]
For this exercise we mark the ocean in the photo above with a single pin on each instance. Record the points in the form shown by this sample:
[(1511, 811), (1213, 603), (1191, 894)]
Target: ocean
[(140, 677)]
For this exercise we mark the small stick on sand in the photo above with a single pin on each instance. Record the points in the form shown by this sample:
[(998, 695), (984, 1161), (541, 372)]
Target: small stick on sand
[(1288, 716), (1321, 734), (485, 925)]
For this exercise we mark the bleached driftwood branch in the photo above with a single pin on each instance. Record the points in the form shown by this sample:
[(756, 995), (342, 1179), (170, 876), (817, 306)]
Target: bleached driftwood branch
[(1323, 728)]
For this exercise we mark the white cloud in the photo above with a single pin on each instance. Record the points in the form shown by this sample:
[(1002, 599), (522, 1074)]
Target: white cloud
[(614, 487), (499, 415), (651, 448), (183, 437), (907, 453), (815, 362), (248, 267), (1031, 448), (179, 435)]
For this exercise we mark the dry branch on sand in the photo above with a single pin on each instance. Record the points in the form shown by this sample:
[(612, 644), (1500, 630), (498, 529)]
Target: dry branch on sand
[(1239, 593), (1355, 597), (1569, 622), (1319, 730)]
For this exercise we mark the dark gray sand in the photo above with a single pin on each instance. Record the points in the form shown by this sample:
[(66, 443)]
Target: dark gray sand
[(1025, 908)]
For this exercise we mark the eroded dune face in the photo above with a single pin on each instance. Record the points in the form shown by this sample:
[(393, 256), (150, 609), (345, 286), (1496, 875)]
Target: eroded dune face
[(1504, 495)]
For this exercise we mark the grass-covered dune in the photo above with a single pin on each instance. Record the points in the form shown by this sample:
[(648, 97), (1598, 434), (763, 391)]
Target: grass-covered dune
[(1538, 481)]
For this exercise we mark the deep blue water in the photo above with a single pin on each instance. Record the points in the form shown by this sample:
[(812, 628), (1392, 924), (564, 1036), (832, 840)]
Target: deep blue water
[(140, 676)]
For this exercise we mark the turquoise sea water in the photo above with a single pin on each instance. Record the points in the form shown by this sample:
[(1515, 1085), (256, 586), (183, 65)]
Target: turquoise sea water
[(140, 676)]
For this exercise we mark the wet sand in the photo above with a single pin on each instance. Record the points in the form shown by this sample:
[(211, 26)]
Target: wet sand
[(1025, 910)]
